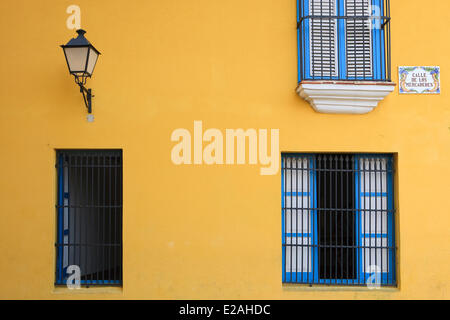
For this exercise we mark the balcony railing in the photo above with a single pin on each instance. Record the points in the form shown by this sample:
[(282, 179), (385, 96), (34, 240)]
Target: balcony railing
[(344, 40)]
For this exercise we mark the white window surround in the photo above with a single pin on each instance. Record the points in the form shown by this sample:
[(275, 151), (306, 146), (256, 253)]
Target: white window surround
[(344, 97)]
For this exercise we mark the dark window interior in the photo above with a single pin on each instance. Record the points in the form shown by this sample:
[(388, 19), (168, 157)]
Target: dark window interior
[(336, 223), (89, 214)]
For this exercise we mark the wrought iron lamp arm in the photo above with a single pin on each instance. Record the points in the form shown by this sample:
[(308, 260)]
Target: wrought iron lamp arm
[(87, 93), (87, 97)]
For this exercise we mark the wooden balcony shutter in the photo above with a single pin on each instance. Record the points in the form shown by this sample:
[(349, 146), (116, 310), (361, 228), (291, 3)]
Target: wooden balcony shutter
[(359, 40), (323, 39)]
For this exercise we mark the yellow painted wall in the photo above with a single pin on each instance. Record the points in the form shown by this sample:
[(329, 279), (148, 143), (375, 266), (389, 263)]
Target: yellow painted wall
[(205, 231)]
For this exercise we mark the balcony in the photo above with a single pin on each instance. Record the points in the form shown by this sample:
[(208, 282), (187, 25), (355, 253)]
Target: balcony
[(344, 54)]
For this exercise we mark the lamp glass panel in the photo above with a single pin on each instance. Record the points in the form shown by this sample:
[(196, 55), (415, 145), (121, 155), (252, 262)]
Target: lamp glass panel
[(92, 61), (76, 58)]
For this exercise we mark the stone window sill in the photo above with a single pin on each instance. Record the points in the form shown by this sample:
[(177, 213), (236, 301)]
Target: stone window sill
[(344, 97)]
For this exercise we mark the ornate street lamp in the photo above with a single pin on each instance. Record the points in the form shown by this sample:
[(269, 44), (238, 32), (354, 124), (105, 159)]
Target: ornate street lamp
[(81, 57)]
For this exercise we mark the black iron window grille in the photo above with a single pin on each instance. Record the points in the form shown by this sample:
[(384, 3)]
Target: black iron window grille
[(338, 219), (344, 40), (89, 216)]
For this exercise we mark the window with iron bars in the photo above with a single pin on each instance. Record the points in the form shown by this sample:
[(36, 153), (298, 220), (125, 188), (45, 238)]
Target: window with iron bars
[(344, 40), (338, 219), (89, 216)]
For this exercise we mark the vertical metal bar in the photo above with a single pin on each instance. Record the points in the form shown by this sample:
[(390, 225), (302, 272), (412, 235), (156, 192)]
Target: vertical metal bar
[(74, 209), (115, 220), (381, 43), (388, 264), (383, 48), (335, 213), (375, 211), (361, 195), (103, 215), (359, 252), (391, 267), (310, 167), (300, 43), (69, 233), (65, 248), (355, 216), (291, 213), (389, 40), (330, 216), (346, 45), (85, 218), (105, 218), (386, 39), (95, 227), (296, 218), (337, 22), (109, 219), (346, 217), (323, 218), (78, 209), (363, 218), (370, 212), (359, 23), (354, 37), (97, 213), (121, 214), (302, 40), (285, 216), (394, 250), (321, 42), (113, 211), (381, 216), (330, 23), (346, 30), (301, 217), (341, 241), (312, 10), (59, 217), (305, 23), (91, 257), (366, 24), (389, 45)]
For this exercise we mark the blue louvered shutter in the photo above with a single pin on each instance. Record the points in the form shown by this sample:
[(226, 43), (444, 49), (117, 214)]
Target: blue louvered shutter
[(63, 220), (323, 39), (374, 226), (298, 216), (358, 40), (349, 47)]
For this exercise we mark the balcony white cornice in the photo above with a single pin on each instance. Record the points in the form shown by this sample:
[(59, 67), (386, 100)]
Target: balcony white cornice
[(344, 97)]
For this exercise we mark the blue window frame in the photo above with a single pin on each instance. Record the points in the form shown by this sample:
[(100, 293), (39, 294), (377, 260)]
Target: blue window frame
[(89, 216), (343, 40), (338, 219)]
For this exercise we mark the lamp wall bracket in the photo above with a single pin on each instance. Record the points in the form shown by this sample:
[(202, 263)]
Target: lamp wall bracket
[(87, 93)]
